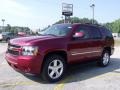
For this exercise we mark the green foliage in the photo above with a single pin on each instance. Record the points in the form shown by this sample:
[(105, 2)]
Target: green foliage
[(78, 20), (75, 20), (15, 29), (114, 26), (8, 28)]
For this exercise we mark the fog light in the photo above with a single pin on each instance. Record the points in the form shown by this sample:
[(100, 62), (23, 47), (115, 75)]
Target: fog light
[(27, 70)]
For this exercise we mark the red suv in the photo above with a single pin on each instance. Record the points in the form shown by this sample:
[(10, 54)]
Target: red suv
[(57, 46)]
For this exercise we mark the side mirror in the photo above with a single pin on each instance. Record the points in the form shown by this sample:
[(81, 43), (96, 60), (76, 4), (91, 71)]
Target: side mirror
[(79, 35)]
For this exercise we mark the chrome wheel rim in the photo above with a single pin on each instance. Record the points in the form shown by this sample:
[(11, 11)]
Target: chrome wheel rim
[(55, 69), (106, 59)]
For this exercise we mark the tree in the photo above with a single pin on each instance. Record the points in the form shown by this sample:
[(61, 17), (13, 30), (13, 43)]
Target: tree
[(16, 29), (78, 20), (114, 26), (8, 28), (74, 20)]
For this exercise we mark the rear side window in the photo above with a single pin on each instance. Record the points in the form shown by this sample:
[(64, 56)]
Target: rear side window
[(95, 33), (106, 33)]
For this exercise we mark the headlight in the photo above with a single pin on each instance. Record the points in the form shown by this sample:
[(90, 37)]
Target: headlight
[(29, 50)]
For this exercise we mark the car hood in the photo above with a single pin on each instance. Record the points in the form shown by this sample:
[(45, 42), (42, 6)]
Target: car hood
[(30, 40)]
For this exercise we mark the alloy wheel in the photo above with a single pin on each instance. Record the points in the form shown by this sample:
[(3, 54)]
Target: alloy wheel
[(55, 69), (106, 58)]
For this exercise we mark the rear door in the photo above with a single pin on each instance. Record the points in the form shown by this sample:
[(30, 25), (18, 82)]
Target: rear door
[(96, 42)]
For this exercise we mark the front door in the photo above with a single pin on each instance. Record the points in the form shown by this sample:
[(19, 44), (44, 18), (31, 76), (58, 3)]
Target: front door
[(80, 48)]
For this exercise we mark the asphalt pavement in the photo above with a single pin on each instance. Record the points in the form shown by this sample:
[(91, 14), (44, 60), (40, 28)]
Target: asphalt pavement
[(78, 77)]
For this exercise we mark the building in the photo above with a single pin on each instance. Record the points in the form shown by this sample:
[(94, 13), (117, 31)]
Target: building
[(116, 34)]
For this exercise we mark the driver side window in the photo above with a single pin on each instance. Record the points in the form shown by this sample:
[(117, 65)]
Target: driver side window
[(85, 31)]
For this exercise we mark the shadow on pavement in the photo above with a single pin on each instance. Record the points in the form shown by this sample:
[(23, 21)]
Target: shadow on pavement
[(81, 72)]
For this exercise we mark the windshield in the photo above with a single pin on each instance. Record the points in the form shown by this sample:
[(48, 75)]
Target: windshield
[(57, 30)]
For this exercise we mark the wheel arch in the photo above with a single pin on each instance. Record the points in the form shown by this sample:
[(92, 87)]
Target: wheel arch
[(56, 52), (108, 49)]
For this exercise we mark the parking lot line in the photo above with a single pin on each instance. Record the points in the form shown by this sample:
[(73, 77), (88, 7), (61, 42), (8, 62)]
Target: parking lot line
[(17, 83), (4, 63), (61, 84)]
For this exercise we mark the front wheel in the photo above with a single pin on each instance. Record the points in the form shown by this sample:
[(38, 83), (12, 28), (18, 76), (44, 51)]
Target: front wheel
[(8, 39), (54, 68), (105, 59)]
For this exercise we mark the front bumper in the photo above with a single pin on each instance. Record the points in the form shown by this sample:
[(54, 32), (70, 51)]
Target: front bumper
[(25, 64)]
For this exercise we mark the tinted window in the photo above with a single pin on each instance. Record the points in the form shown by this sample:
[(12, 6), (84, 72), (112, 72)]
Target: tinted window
[(11, 34), (95, 33), (84, 30), (57, 30), (106, 32), (5, 33)]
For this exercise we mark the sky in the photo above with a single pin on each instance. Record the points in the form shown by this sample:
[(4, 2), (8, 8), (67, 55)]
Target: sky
[(41, 13)]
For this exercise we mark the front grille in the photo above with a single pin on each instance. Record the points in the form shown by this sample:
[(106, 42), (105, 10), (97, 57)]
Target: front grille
[(16, 46), (13, 49), (13, 52)]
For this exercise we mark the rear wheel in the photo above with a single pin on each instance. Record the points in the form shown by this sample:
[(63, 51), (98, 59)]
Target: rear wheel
[(105, 59), (54, 68)]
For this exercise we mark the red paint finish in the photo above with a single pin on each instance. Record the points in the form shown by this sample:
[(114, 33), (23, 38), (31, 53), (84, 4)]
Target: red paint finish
[(25, 64), (76, 50)]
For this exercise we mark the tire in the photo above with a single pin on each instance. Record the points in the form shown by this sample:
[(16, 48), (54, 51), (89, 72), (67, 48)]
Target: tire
[(8, 39), (54, 68), (105, 59)]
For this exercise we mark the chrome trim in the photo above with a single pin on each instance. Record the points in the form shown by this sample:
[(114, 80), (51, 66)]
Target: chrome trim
[(12, 62), (11, 47), (84, 53)]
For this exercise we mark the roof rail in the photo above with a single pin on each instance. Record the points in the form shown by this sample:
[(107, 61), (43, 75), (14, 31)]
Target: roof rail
[(93, 24)]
